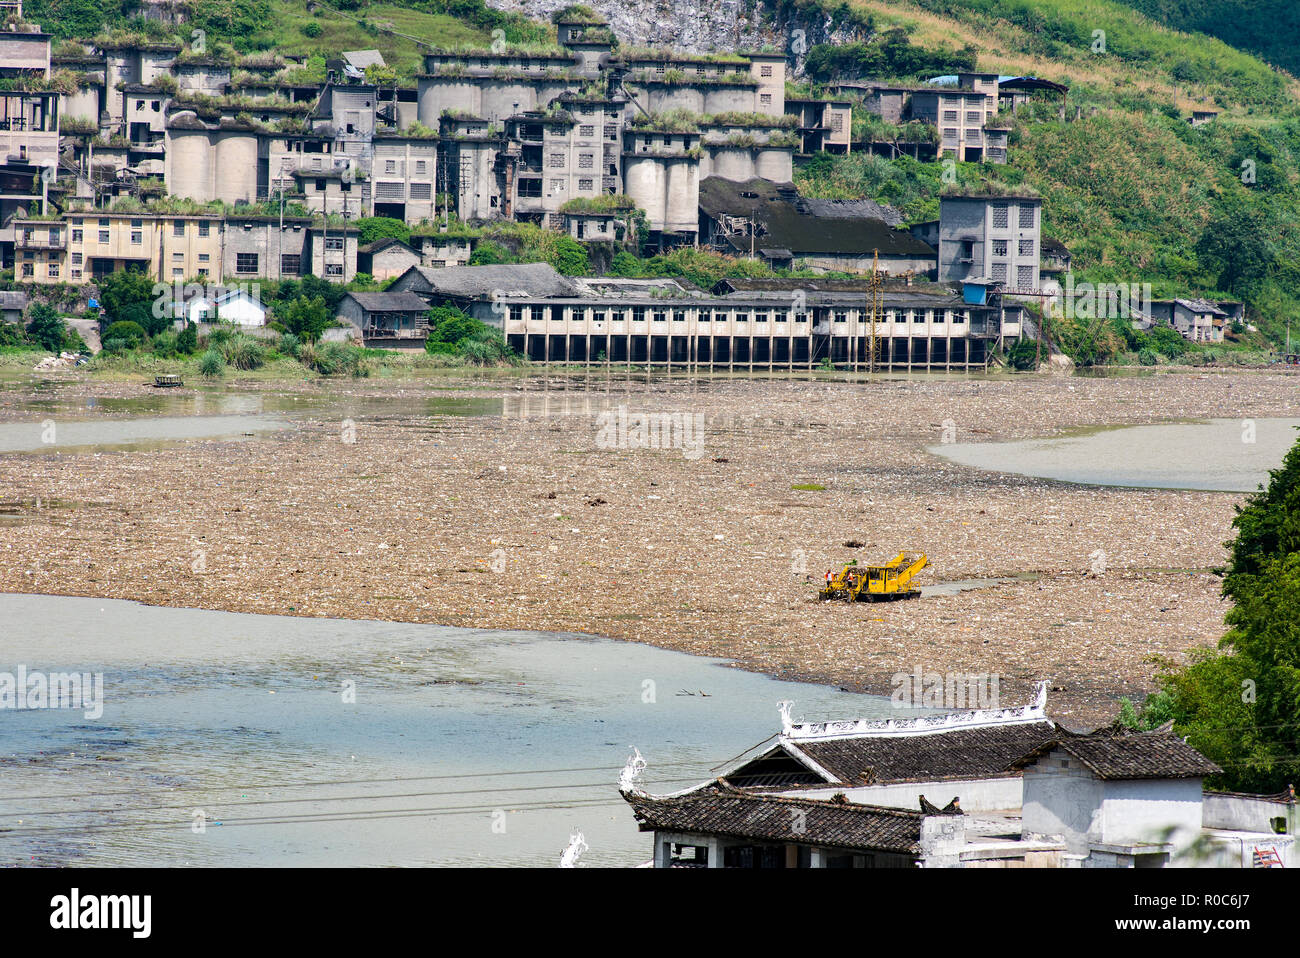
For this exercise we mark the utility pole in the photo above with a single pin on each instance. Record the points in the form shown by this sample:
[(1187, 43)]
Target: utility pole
[(874, 288)]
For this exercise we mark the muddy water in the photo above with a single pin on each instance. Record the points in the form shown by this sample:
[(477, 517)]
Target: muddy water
[(1229, 455), (456, 747)]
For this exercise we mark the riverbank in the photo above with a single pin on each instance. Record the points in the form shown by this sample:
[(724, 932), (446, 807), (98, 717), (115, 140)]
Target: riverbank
[(369, 508)]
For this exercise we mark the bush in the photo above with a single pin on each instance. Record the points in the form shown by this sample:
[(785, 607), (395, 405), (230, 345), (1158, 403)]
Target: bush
[(311, 29), (1023, 355), (1148, 356), (211, 364), (187, 341), (490, 253), (164, 344), (129, 332), (243, 352), (288, 344)]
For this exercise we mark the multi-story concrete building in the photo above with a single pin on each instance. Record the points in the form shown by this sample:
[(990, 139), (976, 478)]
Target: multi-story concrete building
[(994, 238), (750, 324)]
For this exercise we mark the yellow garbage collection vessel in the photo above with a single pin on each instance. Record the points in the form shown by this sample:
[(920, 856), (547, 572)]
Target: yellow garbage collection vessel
[(877, 583)]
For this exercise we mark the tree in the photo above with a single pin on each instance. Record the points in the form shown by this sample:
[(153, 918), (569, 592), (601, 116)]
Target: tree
[(1023, 355), (1240, 704), (570, 257), (308, 318), (1237, 247), (125, 288), (46, 327), (374, 228)]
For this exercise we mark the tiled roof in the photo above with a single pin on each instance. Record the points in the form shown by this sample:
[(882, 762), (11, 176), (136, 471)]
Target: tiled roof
[(1113, 755), (987, 750), (390, 302), (767, 818)]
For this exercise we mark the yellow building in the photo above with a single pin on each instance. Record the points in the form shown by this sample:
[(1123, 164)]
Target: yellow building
[(88, 246)]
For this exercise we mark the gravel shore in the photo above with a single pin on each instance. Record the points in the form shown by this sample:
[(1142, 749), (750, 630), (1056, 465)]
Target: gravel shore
[(370, 507)]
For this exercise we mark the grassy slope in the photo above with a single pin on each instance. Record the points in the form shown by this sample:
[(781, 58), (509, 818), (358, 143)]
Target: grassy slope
[(338, 33)]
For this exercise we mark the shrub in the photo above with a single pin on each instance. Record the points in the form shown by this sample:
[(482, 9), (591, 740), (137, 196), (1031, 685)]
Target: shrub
[(1023, 355), (211, 364), (243, 352), (187, 341), (288, 344), (1148, 356), (164, 344), (131, 333), (311, 29)]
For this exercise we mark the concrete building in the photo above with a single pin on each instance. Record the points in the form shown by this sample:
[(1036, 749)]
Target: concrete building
[(386, 258), (393, 320), (744, 219), (210, 161), (740, 324), (990, 237), (1199, 320), (441, 249)]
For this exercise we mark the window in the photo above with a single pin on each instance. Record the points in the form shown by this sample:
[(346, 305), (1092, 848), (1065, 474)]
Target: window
[(53, 270), (1024, 277), (659, 315), (137, 224), (334, 242), (1026, 217), (333, 269), (679, 315), (291, 263), (999, 272), (390, 166), (556, 161), (421, 191), (974, 116), (841, 316), (765, 99), (598, 315), (586, 185), (137, 237), (999, 247), (76, 259), (557, 186), (742, 316), (586, 161), (801, 317), (950, 116), (958, 316), (779, 316), (103, 236), (760, 315), (1026, 247), (205, 229), (76, 236), (920, 315), (999, 215), (420, 166), (245, 262), (616, 316), (177, 272), (638, 314), (29, 270), (949, 135), (178, 228), (204, 257), (178, 257), (587, 129), (705, 316), (320, 186)]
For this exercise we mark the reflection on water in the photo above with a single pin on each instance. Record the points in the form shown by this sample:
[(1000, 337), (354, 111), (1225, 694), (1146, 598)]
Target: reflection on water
[(1231, 455), (91, 435), (327, 742)]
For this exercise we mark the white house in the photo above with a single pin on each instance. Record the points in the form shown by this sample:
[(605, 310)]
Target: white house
[(232, 306)]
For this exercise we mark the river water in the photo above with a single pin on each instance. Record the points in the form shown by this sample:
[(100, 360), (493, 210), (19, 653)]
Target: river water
[(230, 739), (1230, 455)]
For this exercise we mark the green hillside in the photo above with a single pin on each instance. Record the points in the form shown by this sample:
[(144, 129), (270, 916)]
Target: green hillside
[(1135, 192), (1268, 28)]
